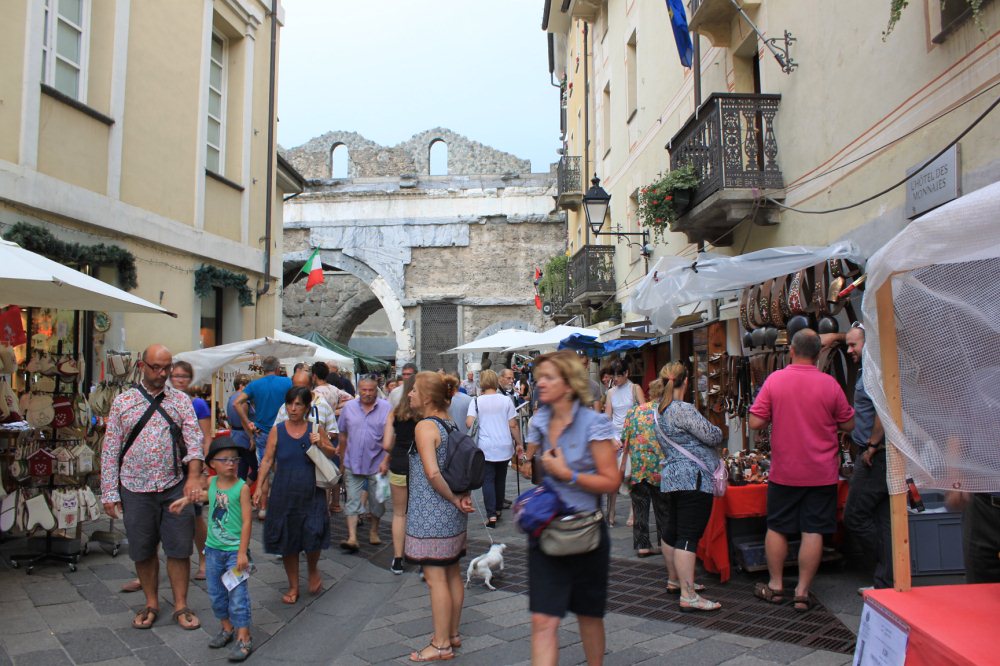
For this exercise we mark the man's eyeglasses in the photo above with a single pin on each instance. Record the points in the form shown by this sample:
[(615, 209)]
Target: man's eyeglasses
[(159, 368), (226, 461)]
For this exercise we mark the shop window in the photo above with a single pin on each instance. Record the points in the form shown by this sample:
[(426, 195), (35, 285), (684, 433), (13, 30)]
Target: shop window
[(215, 136), (438, 158), (211, 318), (340, 159), (64, 46)]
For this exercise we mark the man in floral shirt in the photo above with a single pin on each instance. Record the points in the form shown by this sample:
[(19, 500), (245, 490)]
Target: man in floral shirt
[(163, 463)]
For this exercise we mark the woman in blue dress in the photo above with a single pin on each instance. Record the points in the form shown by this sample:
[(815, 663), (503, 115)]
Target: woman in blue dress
[(296, 509), (436, 521)]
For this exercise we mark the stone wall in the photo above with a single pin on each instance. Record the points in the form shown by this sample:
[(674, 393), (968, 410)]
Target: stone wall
[(334, 308), (367, 159)]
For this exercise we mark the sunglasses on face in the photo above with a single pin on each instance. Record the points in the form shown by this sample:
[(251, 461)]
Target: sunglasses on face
[(226, 461)]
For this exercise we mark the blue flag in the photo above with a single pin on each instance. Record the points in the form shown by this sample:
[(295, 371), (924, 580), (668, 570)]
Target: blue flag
[(678, 21)]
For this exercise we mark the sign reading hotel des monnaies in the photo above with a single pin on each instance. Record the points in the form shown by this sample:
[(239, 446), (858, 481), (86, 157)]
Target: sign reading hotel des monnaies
[(937, 183)]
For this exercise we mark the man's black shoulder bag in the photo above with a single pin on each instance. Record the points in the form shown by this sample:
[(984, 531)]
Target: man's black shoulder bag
[(155, 405)]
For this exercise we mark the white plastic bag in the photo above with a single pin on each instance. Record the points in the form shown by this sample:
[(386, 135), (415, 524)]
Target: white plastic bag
[(382, 490)]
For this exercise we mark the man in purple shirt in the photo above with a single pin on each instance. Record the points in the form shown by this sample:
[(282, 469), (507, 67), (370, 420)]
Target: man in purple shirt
[(361, 423)]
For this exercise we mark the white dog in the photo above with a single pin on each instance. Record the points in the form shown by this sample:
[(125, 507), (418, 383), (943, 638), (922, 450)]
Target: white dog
[(484, 565)]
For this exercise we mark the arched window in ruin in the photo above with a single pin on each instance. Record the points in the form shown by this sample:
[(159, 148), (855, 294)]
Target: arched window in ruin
[(438, 158), (339, 161)]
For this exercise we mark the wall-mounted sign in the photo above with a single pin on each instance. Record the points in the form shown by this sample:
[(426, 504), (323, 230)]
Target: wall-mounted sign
[(937, 183)]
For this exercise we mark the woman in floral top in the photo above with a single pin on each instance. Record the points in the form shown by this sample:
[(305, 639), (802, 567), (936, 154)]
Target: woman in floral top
[(689, 489), (645, 457)]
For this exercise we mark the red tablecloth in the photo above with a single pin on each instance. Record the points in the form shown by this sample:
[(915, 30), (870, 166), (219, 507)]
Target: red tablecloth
[(749, 501), (949, 624)]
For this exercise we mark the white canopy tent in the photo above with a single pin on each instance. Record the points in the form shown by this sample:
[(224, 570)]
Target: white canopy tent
[(320, 353), (30, 280), (492, 343), (675, 281), (207, 362), (550, 339)]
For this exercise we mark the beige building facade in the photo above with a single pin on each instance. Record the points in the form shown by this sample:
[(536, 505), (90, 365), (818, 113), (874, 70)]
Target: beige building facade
[(854, 115), (149, 126)]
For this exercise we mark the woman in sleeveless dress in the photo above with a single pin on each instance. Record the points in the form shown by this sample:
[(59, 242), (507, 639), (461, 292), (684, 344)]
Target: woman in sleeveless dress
[(436, 522), (296, 509), (397, 440)]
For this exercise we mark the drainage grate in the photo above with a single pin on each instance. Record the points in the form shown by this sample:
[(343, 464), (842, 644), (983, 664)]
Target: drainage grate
[(631, 592)]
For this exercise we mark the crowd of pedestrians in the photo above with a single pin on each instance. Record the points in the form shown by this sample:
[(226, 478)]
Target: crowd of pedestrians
[(589, 440)]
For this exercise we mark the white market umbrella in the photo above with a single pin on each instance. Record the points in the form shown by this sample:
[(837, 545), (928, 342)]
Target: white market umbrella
[(550, 339), (30, 280), (206, 362), (321, 352), (492, 343)]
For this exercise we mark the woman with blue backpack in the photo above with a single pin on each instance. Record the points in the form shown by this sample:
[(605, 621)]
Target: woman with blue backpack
[(568, 562), (437, 521)]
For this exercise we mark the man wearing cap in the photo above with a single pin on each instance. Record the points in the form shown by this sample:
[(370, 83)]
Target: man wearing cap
[(153, 456)]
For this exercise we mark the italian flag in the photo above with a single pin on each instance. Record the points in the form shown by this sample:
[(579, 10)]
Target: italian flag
[(314, 269)]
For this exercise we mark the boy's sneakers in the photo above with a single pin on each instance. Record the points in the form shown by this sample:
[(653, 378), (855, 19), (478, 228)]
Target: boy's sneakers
[(397, 565), (240, 650), (222, 639)]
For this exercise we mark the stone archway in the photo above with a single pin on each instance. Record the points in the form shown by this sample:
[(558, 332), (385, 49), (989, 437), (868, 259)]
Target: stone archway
[(360, 307)]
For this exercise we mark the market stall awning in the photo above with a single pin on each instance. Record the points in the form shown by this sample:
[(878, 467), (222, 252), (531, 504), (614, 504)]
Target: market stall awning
[(590, 345), (206, 362), (31, 280), (549, 340), (492, 343), (320, 353), (362, 362), (675, 281)]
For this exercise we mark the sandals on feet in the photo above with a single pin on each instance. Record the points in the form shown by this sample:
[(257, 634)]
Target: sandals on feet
[(443, 654), (698, 603), (132, 586), (673, 587), (766, 593), (349, 546), (189, 617), (144, 620), (289, 598), (491, 522), (803, 604), (456, 640)]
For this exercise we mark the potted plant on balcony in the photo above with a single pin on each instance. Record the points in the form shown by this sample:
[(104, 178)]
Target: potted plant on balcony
[(663, 200)]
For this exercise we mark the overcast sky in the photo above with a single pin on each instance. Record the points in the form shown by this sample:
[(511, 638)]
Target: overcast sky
[(391, 68)]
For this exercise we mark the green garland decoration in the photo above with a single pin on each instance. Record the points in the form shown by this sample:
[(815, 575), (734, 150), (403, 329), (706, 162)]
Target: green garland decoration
[(208, 277), (41, 241)]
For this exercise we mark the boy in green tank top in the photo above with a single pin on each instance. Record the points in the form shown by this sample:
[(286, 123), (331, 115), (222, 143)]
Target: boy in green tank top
[(227, 545)]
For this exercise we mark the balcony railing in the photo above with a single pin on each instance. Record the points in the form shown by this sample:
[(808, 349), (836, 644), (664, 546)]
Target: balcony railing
[(570, 182), (731, 142), (555, 296), (592, 273)]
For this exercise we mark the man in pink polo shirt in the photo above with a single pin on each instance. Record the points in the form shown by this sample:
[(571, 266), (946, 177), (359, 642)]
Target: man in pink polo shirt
[(806, 409)]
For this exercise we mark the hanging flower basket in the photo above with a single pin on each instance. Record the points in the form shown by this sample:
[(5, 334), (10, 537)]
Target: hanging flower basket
[(662, 201)]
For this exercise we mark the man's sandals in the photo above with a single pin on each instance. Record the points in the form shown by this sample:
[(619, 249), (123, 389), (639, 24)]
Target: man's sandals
[(146, 618), (190, 620), (766, 593)]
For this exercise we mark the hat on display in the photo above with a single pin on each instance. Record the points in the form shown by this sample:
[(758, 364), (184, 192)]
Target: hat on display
[(226, 442)]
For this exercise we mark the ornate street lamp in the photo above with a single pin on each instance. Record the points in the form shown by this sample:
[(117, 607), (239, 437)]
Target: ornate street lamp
[(595, 203)]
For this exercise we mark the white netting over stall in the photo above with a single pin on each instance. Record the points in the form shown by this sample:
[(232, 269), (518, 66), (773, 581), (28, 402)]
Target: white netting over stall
[(945, 274)]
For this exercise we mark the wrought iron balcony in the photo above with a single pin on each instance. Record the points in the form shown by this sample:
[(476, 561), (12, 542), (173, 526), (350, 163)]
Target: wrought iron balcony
[(592, 274), (713, 18), (556, 302), (570, 183), (731, 142)]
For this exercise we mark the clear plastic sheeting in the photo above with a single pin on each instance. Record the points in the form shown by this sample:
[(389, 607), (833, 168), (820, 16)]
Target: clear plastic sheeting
[(944, 270), (675, 281)]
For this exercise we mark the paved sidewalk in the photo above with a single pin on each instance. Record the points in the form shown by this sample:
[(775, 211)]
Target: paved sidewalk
[(365, 616)]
